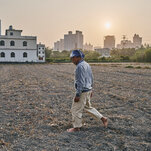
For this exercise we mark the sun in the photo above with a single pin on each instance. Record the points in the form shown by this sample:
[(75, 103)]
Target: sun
[(107, 25)]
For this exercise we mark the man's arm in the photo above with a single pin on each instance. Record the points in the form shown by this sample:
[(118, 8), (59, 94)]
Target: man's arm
[(79, 77)]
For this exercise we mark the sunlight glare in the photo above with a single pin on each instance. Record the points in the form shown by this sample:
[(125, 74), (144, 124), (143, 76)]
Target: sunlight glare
[(107, 25)]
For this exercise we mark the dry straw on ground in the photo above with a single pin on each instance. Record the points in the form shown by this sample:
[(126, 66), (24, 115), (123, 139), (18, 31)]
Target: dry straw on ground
[(35, 103)]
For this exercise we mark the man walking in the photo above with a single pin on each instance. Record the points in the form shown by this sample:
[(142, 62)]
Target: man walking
[(83, 85)]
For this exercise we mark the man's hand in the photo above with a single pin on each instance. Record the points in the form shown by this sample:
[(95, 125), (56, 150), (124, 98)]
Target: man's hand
[(91, 95), (76, 99)]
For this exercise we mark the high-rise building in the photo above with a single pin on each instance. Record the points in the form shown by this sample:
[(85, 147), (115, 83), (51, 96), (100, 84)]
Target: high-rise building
[(71, 41), (109, 42), (59, 45), (0, 27), (56, 46), (137, 41), (125, 43)]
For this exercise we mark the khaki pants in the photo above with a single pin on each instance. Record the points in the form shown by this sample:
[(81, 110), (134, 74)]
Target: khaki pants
[(83, 104)]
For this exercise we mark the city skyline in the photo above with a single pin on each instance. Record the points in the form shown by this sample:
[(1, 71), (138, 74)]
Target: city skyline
[(50, 19)]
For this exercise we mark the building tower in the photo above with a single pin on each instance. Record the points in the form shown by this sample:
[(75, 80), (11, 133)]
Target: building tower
[(41, 52), (0, 28), (137, 40), (73, 41), (109, 42)]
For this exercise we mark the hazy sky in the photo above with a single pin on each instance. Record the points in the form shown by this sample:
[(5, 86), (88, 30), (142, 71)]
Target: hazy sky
[(49, 20)]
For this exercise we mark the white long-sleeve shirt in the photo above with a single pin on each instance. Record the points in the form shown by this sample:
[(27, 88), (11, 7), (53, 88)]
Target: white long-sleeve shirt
[(83, 77)]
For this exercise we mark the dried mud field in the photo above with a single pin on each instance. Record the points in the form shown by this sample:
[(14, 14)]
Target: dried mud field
[(35, 102)]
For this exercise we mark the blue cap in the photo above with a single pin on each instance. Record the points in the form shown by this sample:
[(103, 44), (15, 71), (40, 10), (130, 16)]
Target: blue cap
[(76, 53)]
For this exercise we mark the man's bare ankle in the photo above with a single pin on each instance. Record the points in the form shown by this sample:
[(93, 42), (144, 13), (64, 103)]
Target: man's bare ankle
[(74, 129), (105, 121)]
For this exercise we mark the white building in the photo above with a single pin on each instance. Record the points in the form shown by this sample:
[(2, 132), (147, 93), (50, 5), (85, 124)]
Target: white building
[(56, 46), (17, 48), (0, 27), (59, 45), (105, 52), (109, 42), (125, 44), (71, 41), (88, 47), (41, 52), (137, 43)]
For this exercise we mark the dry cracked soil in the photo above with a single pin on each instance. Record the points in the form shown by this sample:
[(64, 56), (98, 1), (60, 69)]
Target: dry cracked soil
[(35, 102)]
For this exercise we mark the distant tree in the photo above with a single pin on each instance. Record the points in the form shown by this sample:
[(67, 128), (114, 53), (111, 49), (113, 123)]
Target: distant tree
[(48, 52), (90, 55), (123, 52), (56, 53), (139, 56), (124, 58), (148, 55), (65, 53)]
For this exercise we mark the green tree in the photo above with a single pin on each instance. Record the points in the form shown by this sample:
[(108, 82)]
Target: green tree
[(148, 55), (91, 55), (48, 52), (123, 52)]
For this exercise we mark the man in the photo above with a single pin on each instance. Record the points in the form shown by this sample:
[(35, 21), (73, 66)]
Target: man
[(83, 85)]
